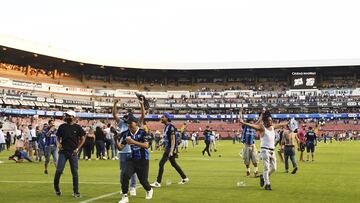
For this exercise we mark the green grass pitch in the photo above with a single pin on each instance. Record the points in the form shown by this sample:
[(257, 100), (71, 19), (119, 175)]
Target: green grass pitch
[(333, 177)]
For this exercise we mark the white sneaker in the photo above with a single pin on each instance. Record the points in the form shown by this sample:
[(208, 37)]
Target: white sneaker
[(155, 184), (124, 199), (184, 181), (132, 191), (149, 194), (97, 159), (116, 158), (113, 159), (104, 158)]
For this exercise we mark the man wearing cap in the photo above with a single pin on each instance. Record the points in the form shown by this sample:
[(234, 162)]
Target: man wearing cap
[(70, 137), (169, 149), (125, 151), (138, 162)]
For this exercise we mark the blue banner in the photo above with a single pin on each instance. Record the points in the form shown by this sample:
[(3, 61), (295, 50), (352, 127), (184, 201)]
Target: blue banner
[(180, 117)]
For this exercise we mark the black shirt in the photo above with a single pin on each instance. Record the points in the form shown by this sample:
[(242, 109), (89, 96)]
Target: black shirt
[(99, 135), (70, 136), (310, 136)]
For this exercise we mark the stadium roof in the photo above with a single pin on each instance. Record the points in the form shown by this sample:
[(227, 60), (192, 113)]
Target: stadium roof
[(187, 34)]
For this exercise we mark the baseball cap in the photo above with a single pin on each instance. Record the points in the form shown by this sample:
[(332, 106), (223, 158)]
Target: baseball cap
[(131, 118), (167, 115), (71, 113)]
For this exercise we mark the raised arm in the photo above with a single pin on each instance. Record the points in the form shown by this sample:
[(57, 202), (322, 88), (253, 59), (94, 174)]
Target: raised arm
[(257, 127), (142, 108), (280, 125), (260, 117), (115, 111)]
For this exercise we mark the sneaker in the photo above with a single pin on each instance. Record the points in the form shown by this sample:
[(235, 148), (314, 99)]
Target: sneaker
[(267, 187), (45, 172), (184, 181), (149, 194), (132, 191), (256, 174), (113, 159), (97, 159), (294, 171), (262, 182), (104, 158), (76, 195), (116, 158), (155, 184), (286, 171), (247, 173), (57, 193), (124, 199), (203, 153)]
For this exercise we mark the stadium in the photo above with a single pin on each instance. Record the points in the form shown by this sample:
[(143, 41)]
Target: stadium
[(224, 126)]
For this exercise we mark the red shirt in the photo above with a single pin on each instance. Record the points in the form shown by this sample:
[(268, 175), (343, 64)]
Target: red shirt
[(301, 136)]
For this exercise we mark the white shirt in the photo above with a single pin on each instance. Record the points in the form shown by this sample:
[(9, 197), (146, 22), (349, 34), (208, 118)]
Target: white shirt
[(212, 136), (2, 137), (193, 136), (268, 140), (108, 133)]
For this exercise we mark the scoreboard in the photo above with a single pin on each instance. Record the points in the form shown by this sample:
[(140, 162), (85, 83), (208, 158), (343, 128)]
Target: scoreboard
[(303, 80)]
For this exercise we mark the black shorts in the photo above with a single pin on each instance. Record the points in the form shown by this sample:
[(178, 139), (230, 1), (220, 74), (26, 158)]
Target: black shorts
[(310, 147), (302, 147)]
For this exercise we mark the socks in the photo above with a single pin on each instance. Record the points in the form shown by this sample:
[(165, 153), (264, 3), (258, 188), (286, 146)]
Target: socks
[(248, 170)]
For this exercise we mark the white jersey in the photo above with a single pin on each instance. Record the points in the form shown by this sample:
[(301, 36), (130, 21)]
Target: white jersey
[(268, 140), (2, 137)]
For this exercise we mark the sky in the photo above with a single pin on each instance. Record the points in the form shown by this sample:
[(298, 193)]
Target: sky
[(186, 34)]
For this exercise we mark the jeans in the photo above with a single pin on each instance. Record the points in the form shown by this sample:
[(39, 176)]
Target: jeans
[(73, 159), (88, 146), (123, 157), (100, 148), (113, 148), (289, 152), (53, 151), (173, 164), (141, 168)]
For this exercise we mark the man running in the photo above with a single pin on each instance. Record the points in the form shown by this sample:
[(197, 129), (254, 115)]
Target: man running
[(169, 150)]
